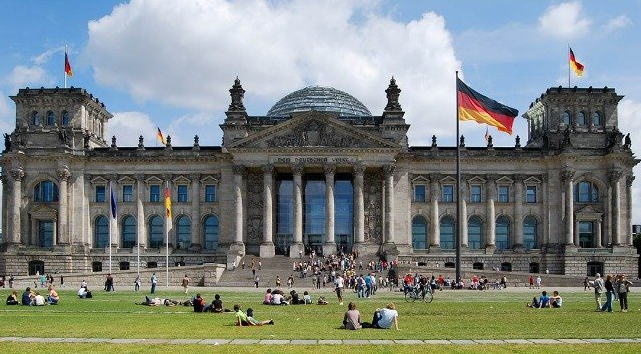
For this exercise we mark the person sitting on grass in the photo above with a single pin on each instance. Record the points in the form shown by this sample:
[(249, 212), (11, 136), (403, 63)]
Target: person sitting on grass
[(13, 298), (27, 297), (386, 317), (352, 318), (555, 300), (242, 319), (53, 296), (84, 293), (199, 303), (307, 299), (321, 300), (268, 297), (217, 305), (278, 298), (39, 300), (543, 301)]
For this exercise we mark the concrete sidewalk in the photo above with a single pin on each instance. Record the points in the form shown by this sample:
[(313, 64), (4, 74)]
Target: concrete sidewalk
[(322, 341)]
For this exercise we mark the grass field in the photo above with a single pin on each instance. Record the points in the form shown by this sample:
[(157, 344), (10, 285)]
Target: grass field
[(452, 315)]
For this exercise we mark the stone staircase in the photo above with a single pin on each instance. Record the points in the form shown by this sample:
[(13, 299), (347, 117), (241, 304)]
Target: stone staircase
[(270, 268)]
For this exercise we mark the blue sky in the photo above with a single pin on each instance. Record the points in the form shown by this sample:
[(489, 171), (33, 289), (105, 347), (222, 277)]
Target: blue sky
[(171, 63)]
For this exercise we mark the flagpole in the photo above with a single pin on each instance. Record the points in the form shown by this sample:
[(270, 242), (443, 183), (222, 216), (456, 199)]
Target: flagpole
[(167, 241), (569, 74), (459, 217), (110, 224), (64, 73)]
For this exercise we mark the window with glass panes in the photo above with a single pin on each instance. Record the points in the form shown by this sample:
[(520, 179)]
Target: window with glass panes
[(100, 194), (447, 193), (502, 233), (474, 232), (182, 193), (210, 193), (475, 194), (154, 193), (586, 234), (530, 194), (447, 232), (504, 194), (419, 193), (127, 193)]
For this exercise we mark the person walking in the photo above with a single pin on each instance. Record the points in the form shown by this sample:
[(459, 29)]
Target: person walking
[(338, 282), (609, 292), (599, 286), (154, 281), (185, 283), (137, 283)]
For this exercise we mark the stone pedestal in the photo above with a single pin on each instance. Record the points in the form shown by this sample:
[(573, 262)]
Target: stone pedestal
[(435, 249), (329, 248), (237, 248), (490, 249), (296, 249), (267, 250), (570, 248)]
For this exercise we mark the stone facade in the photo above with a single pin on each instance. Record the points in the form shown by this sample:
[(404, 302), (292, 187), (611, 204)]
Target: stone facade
[(316, 181)]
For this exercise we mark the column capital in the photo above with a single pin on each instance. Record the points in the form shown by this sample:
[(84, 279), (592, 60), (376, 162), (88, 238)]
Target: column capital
[(518, 178), (359, 168), (140, 177), (195, 177), (567, 175), (64, 174), (629, 180), (297, 169), (238, 169), (17, 174), (329, 168), (615, 175), (389, 169), (491, 177), (268, 169)]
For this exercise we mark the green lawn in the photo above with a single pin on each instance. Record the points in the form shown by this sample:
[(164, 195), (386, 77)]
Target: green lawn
[(452, 315)]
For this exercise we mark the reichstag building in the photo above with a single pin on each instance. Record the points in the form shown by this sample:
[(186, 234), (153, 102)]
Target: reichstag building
[(318, 172)]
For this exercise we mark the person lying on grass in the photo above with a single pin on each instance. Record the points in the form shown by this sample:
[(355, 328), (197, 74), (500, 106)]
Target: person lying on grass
[(243, 319), (158, 302)]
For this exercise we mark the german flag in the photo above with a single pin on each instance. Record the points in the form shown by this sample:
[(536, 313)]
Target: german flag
[(575, 65), (168, 202), (474, 106), (68, 70), (161, 137)]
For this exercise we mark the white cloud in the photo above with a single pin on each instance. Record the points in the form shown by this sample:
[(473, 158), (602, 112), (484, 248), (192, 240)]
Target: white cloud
[(629, 122), (22, 76), (564, 21), (617, 23), (128, 126), (187, 54)]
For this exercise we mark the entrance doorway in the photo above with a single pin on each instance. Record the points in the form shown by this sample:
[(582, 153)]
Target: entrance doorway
[(313, 242), (36, 267), (595, 267), (283, 242)]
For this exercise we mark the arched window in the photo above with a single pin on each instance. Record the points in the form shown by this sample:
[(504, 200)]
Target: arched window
[(530, 226), (580, 118), (565, 118), (101, 232), (128, 235), (65, 118), (51, 118), (419, 232), (211, 232), (183, 232), (155, 232), (596, 118), (45, 191), (35, 118), (447, 232), (474, 232), (586, 192), (502, 233)]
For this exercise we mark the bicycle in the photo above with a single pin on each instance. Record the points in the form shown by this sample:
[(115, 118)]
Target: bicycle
[(419, 293)]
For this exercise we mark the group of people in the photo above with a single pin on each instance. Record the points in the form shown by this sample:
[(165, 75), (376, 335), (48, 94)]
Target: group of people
[(31, 298), (383, 318), (615, 287), (544, 301), (278, 297)]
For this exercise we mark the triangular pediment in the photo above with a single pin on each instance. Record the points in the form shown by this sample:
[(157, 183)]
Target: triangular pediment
[(313, 130), (588, 210), (532, 180), (504, 180)]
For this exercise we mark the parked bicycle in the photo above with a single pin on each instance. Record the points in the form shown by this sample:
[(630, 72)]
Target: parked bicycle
[(419, 293)]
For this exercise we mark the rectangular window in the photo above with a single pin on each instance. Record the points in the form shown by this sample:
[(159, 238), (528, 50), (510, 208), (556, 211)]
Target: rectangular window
[(530, 194), (504, 194), (210, 193), (182, 193), (419, 193), (100, 194), (475, 194), (128, 193), (447, 193), (154, 193)]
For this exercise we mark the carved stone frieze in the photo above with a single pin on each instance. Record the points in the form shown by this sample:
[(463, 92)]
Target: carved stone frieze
[(315, 133), (373, 195)]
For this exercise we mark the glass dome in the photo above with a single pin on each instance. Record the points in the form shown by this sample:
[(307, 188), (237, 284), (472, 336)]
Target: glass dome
[(319, 98)]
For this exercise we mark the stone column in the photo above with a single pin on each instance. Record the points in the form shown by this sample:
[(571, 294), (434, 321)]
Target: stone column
[(267, 247), (15, 235), (615, 182), (544, 229), (435, 232), (628, 222), (463, 217), (359, 205), (63, 207), (490, 229), (518, 212), (597, 225), (140, 211), (298, 212), (567, 177), (196, 223), (330, 244), (239, 171), (389, 203)]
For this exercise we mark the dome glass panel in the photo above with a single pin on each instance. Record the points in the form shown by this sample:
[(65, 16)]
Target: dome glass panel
[(319, 98)]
